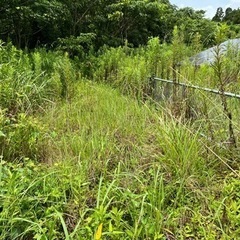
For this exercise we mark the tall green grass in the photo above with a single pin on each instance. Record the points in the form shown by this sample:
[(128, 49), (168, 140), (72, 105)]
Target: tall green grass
[(116, 164), (99, 159), (28, 83)]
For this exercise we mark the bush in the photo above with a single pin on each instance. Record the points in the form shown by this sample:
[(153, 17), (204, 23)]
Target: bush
[(20, 136)]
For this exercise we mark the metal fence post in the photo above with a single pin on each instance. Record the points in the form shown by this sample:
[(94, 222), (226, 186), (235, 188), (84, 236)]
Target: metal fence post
[(152, 85)]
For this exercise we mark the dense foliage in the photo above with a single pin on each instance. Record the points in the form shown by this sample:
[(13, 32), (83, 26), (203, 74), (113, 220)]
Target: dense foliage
[(98, 160), (79, 24), (91, 147), (230, 15)]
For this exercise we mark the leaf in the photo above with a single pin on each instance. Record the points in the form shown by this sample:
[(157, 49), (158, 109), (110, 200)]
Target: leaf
[(110, 227), (64, 226), (98, 234), (2, 134)]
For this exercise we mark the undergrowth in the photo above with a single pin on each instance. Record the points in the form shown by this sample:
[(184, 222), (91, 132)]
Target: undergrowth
[(99, 159)]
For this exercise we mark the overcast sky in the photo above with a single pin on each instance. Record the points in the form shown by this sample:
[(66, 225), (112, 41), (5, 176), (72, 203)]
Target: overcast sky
[(210, 6)]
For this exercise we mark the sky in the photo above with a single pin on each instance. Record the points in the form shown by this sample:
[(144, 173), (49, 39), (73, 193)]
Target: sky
[(210, 6)]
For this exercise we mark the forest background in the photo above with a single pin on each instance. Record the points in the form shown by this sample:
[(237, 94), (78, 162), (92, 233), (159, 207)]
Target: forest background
[(81, 25)]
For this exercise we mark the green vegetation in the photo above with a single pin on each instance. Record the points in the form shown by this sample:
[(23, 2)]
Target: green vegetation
[(82, 159), (91, 148), (83, 25)]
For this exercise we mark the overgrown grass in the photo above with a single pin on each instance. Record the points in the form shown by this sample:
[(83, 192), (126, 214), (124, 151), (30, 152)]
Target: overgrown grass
[(28, 83), (96, 160)]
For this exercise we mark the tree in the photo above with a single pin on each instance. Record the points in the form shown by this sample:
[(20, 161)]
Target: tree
[(228, 12), (29, 22), (193, 22), (219, 15), (232, 16), (134, 21)]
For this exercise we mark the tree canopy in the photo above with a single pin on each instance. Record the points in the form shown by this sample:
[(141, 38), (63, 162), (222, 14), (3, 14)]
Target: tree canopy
[(231, 16), (80, 24)]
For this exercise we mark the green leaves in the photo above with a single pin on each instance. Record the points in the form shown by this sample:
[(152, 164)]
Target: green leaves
[(30, 23)]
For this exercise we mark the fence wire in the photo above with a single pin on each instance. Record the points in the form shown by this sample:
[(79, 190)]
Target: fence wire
[(202, 106)]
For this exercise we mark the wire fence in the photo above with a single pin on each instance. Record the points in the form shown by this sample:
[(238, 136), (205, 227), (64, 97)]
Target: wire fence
[(202, 106), (185, 85)]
